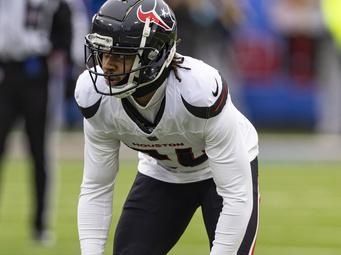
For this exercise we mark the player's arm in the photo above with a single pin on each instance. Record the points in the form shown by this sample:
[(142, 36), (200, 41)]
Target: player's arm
[(231, 170), (95, 201)]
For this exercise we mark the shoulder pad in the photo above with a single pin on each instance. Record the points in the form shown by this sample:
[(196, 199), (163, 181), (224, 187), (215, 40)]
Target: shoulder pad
[(88, 100), (203, 91)]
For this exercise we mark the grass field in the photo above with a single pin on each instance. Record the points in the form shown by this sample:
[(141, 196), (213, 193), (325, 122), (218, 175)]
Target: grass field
[(300, 210)]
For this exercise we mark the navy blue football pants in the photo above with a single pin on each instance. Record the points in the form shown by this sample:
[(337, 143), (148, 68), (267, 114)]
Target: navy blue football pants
[(156, 214)]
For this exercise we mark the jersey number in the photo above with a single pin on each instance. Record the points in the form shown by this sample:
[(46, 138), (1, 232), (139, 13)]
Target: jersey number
[(185, 156)]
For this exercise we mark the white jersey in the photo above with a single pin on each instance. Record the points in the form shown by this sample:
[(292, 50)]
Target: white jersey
[(197, 134)]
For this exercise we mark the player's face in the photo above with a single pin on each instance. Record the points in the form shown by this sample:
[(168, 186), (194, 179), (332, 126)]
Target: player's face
[(116, 64)]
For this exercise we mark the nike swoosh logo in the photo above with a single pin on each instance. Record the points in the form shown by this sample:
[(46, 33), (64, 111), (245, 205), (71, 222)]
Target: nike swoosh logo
[(215, 93)]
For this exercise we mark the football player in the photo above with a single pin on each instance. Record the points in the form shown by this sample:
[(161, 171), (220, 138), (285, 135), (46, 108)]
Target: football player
[(196, 150)]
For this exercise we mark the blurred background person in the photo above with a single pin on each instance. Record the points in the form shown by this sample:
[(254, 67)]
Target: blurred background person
[(308, 28), (34, 35), (300, 25)]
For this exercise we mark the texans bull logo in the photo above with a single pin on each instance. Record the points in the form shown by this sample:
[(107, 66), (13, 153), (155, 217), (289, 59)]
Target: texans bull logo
[(155, 18)]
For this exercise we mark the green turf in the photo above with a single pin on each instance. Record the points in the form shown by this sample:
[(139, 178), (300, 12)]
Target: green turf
[(300, 210)]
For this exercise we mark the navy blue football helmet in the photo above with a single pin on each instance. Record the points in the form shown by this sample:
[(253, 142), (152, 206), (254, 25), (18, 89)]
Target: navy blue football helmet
[(144, 30)]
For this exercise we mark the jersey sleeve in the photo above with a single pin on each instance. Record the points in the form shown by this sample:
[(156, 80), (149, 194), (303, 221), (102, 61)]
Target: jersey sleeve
[(229, 161), (95, 202)]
